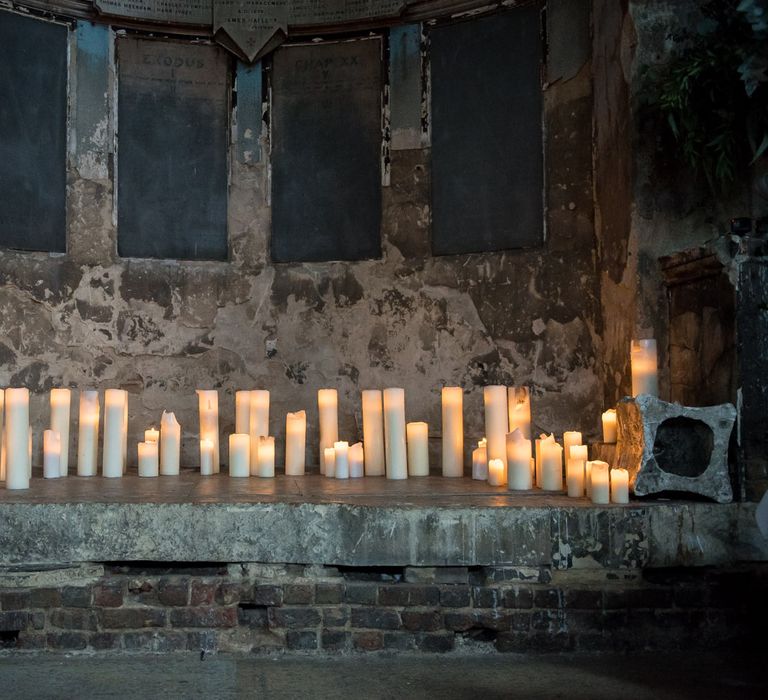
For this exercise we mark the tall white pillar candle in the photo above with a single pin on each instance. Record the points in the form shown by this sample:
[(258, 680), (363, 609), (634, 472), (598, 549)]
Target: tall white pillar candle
[(329, 462), (394, 433), (149, 464), (170, 444), (609, 426), (208, 406), (417, 435), (258, 423), (206, 457), (480, 461), (242, 412), (328, 411), (341, 452), (266, 456), (575, 470), (518, 461), (619, 486), (373, 432), (496, 472), (600, 482), (88, 433), (570, 438), (539, 441), (295, 443), (496, 422), (519, 403), (356, 461), (51, 454), (644, 362), (239, 454), (551, 466), (453, 431), (61, 400), (114, 418)]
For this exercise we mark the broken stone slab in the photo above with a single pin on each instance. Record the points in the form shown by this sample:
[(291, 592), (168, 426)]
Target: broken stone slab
[(669, 447)]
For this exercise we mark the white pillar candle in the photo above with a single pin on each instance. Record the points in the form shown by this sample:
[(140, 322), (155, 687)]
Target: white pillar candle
[(258, 421), (453, 431), (61, 400), (328, 411), (51, 454), (88, 433), (588, 478), (539, 440), (570, 438), (295, 443), (644, 361), (341, 466), (152, 435), (373, 432), (600, 487), (480, 461), (394, 434), (124, 395), (551, 466), (266, 456), (575, 470), (609, 426), (239, 455), (148, 459), (329, 462), (417, 435), (518, 461), (206, 457), (114, 419), (356, 461), (170, 444), (619, 486), (208, 406), (242, 412), (519, 406), (496, 472), (496, 422)]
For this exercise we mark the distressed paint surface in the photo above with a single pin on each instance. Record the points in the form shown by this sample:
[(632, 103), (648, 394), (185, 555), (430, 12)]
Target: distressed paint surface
[(249, 112), (405, 86)]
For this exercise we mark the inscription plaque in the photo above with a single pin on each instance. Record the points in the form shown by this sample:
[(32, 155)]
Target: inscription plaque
[(173, 11), (250, 28)]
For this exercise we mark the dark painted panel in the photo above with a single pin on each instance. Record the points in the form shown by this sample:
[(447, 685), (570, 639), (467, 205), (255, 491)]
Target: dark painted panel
[(487, 164), (326, 151), (172, 150), (33, 123)]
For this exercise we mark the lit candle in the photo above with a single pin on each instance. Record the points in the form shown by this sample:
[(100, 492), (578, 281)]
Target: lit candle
[(519, 404), (643, 358), (570, 438), (518, 461), (418, 449), (600, 488), (208, 407), (480, 461), (239, 454), (551, 465), (152, 435), (242, 412), (496, 472), (574, 470), (496, 422), (356, 461), (258, 423), (206, 457), (394, 434), (61, 400), (295, 443), (453, 432), (88, 433), (51, 454), (619, 486), (148, 459), (266, 456), (170, 444), (328, 410), (329, 462), (609, 425), (341, 453), (373, 432), (114, 424)]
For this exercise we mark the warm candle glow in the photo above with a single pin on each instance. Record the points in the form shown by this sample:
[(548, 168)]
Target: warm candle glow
[(518, 461), (496, 422), (88, 433), (114, 429), (452, 400), (480, 462), (373, 432), (394, 433), (51, 454), (258, 422), (152, 435), (328, 411), (644, 362), (599, 478), (329, 462), (551, 465), (575, 470), (609, 426), (242, 412), (496, 472), (208, 408), (519, 406), (206, 457), (61, 400), (356, 461), (239, 455), (295, 443), (266, 456), (170, 444), (149, 464), (418, 449), (619, 486), (341, 454)]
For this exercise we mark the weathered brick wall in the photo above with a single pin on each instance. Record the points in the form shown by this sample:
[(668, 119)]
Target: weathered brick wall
[(267, 609)]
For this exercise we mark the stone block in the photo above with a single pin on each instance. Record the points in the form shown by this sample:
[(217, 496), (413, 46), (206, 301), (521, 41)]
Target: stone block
[(298, 594), (76, 596), (294, 618), (361, 593), (329, 593), (455, 596), (268, 595), (334, 640), (108, 594), (669, 447), (435, 643), (131, 618), (421, 621), (173, 593), (73, 619), (66, 641), (304, 640), (204, 617), (375, 618), (368, 641), (202, 592), (436, 574), (335, 617)]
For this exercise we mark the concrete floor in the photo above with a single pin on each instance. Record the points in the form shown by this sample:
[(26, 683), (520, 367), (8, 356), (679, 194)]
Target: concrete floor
[(697, 676)]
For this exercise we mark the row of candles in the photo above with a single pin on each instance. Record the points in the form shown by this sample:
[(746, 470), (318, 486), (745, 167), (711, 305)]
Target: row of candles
[(390, 446)]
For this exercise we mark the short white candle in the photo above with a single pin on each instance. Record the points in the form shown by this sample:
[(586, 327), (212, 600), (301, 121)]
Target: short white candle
[(519, 406), (239, 454), (242, 412), (170, 444), (206, 457), (551, 465), (453, 432), (619, 486), (417, 434), (356, 461), (114, 426), (148, 459), (152, 435), (609, 426), (51, 454), (480, 461), (644, 362), (600, 486), (88, 433), (61, 400), (518, 461), (496, 472), (329, 462), (373, 432), (328, 412), (394, 433), (575, 470), (295, 443), (208, 408), (266, 456), (258, 422), (341, 451), (496, 423)]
